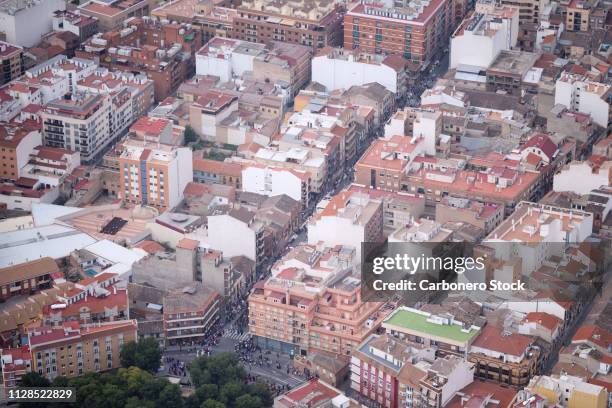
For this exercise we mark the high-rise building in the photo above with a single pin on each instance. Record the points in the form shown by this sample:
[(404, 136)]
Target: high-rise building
[(416, 30), (11, 61), (86, 123), (154, 174), (313, 23)]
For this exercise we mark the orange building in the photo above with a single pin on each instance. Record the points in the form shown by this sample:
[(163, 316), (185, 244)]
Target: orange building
[(70, 350), (312, 302), (15, 147), (154, 174)]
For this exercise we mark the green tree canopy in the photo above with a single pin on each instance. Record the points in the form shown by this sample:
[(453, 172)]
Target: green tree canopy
[(144, 354)]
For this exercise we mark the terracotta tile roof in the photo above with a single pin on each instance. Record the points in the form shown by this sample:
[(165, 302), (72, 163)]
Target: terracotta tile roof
[(150, 246), (492, 338), (542, 142), (476, 393), (187, 243), (547, 320), (217, 167), (595, 335), (28, 270)]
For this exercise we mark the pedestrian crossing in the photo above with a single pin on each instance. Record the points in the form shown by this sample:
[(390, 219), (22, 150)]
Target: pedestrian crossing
[(232, 334)]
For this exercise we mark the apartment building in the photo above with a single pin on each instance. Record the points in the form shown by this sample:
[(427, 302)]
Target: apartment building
[(578, 14), (513, 72), (16, 145), (448, 334), (154, 174), (295, 158), (71, 350), (111, 14), (190, 313), (387, 370), (444, 378), (312, 302), (105, 82), (339, 119), (313, 23), (578, 93), (485, 216), (421, 230), (160, 50), (27, 277), (214, 19), (504, 357), (337, 68), (86, 123), (568, 391), (215, 172), (350, 219), (237, 233), (534, 232), (15, 363), (530, 11), (416, 31), (592, 174), (483, 35), (80, 25), (287, 65), (271, 181), (25, 22), (399, 208), (11, 59)]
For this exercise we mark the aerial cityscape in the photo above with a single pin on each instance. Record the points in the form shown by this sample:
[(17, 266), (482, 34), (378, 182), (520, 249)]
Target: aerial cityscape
[(306, 203)]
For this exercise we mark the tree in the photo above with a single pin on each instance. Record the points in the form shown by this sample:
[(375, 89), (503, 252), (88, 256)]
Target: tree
[(34, 379), (190, 135), (211, 403), (248, 401), (134, 402), (261, 390), (218, 369), (145, 354), (230, 392), (207, 391), (170, 397)]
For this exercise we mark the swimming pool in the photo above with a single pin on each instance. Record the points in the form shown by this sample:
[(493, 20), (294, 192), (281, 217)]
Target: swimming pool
[(91, 272)]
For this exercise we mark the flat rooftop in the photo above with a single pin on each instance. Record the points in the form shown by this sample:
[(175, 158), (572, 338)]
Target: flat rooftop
[(414, 321), (514, 62)]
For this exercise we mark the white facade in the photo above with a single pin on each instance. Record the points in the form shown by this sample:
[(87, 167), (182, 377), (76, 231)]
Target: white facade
[(343, 71), (479, 40), (58, 126), (231, 236), (271, 181), (582, 95), (334, 230), (226, 58), (589, 178), (25, 147), (25, 21), (17, 202)]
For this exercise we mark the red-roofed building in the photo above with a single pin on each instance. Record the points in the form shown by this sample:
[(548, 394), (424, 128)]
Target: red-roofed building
[(152, 129), (481, 394), (16, 362), (70, 350), (311, 394), (593, 335), (107, 305), (541, 324), (504, 357), (541, 145), (374, 28), (11, 58)]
